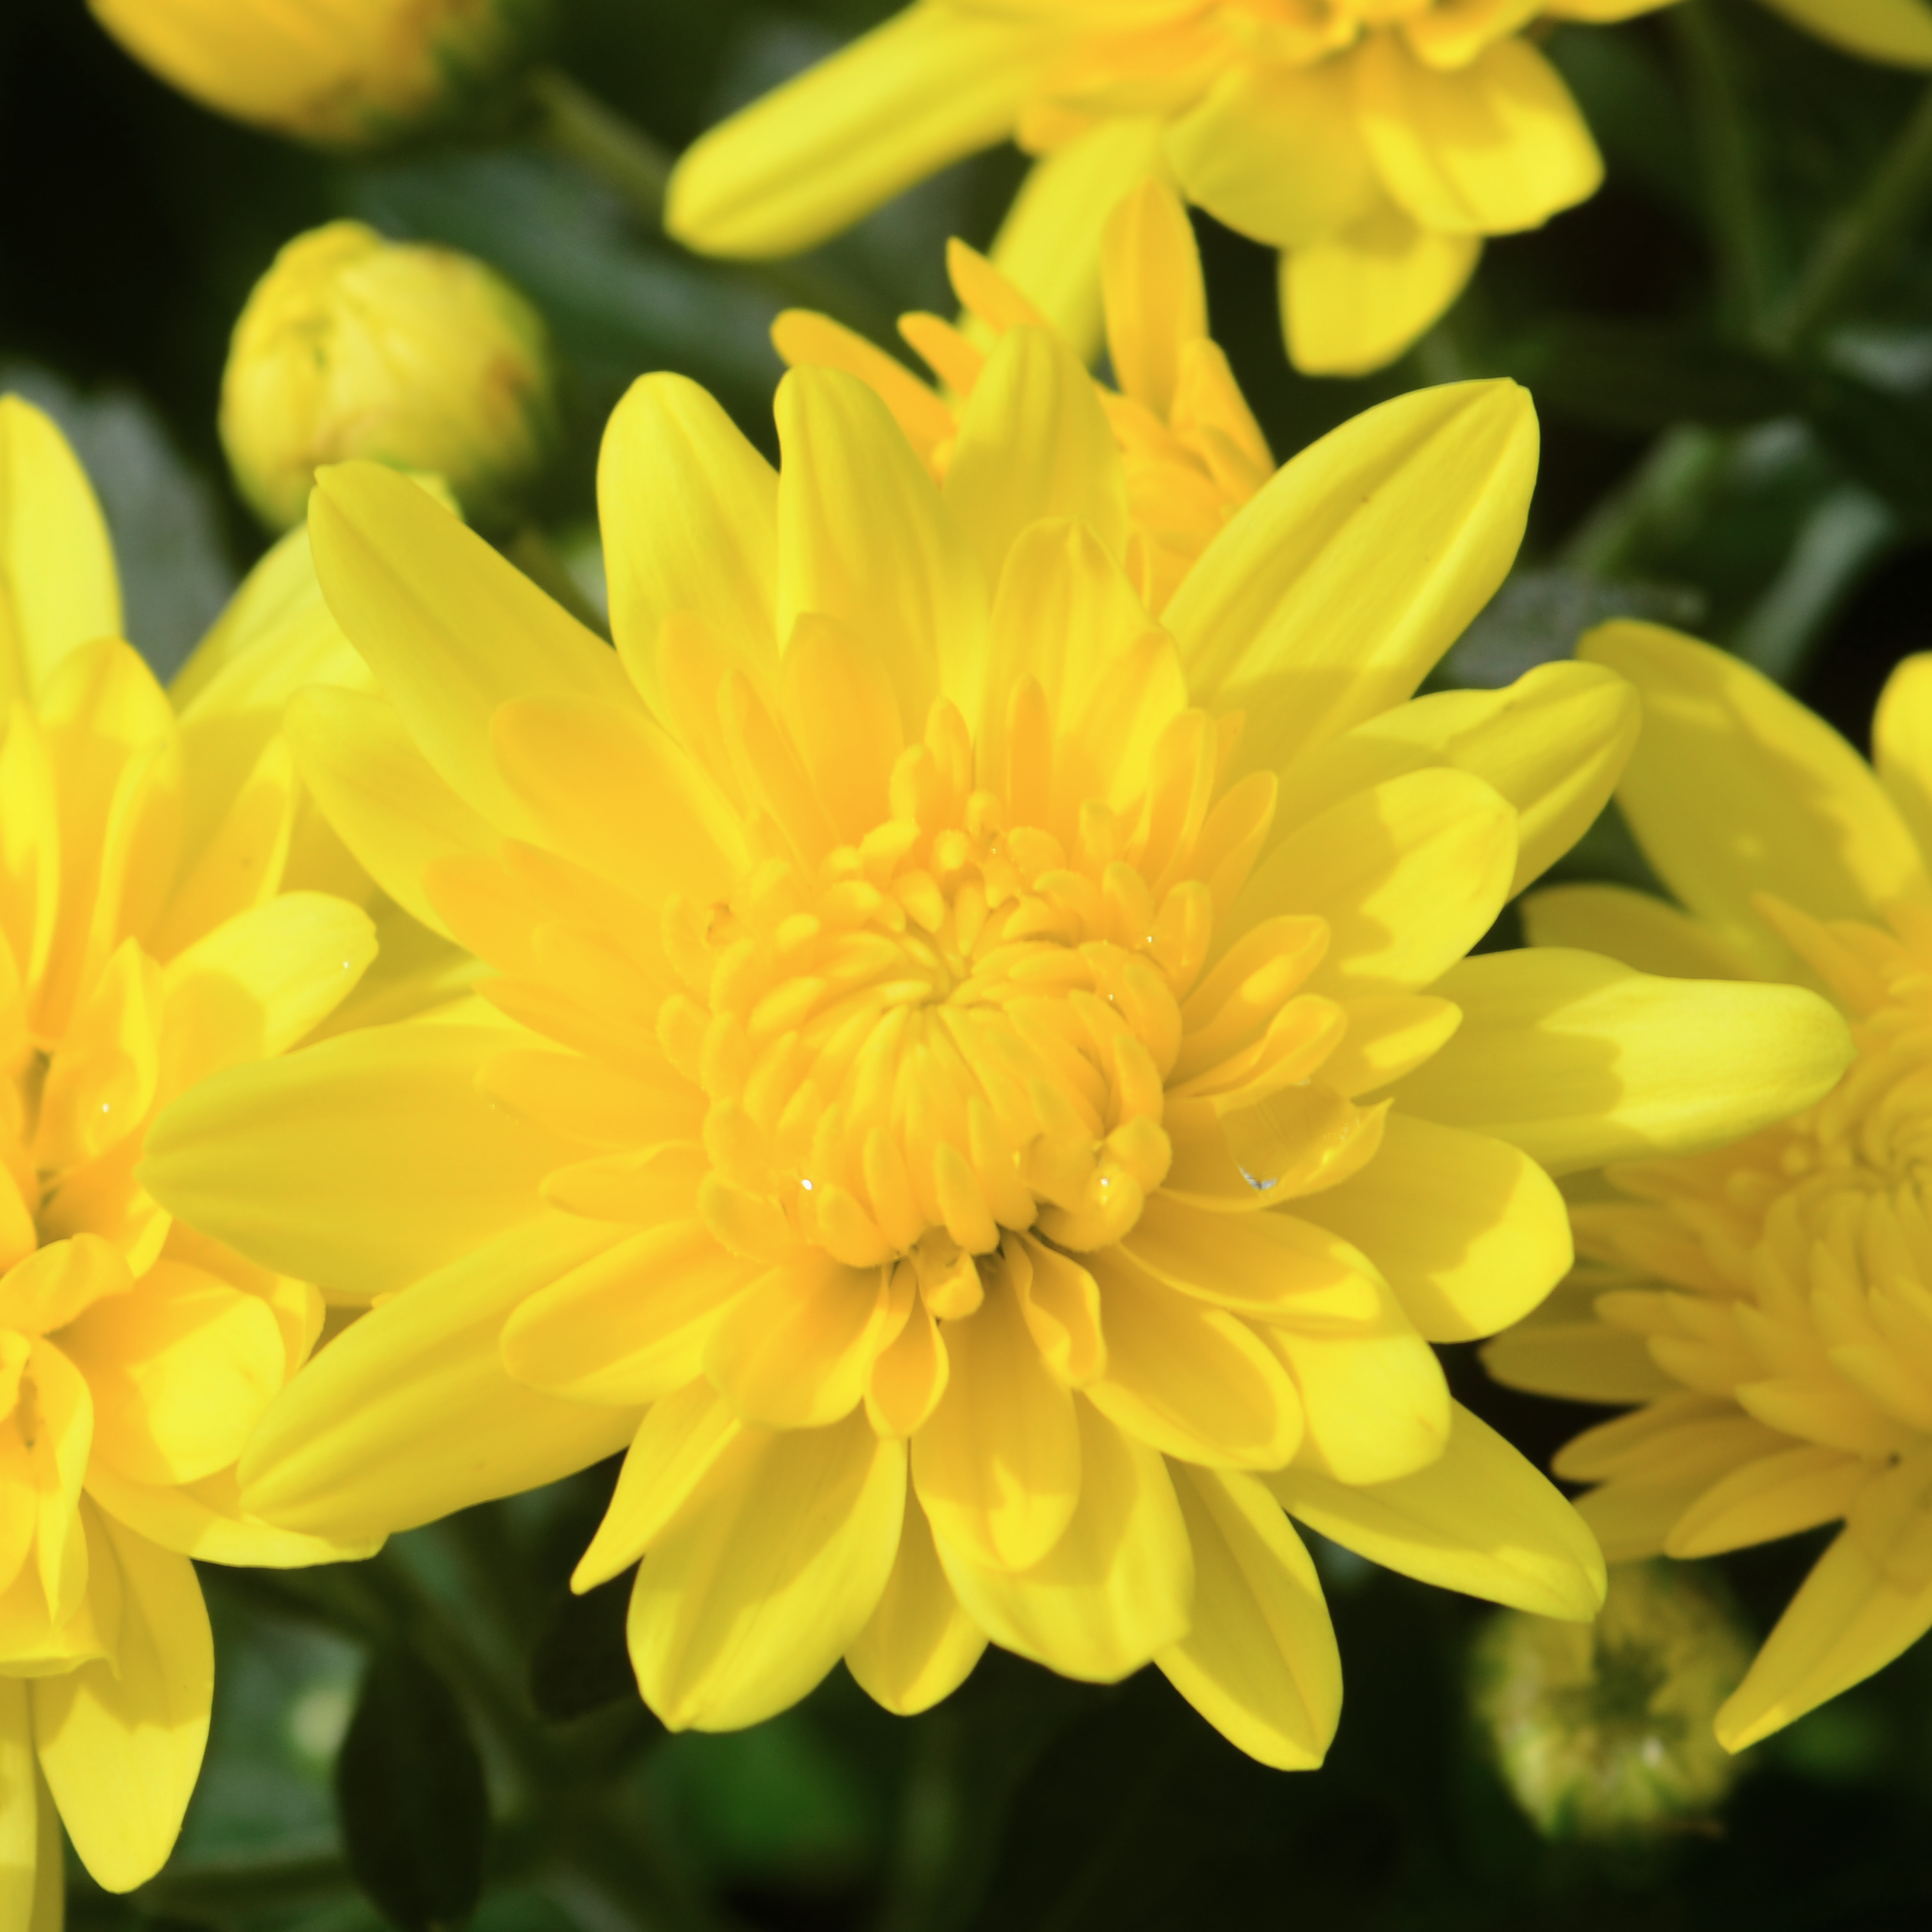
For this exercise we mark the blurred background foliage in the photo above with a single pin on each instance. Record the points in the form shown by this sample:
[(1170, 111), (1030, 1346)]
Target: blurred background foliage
[(1731, 348)]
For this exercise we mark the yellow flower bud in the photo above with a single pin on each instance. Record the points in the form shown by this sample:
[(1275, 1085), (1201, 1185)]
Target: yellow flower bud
[(353, 346), (1603, 1732), (343, 73)]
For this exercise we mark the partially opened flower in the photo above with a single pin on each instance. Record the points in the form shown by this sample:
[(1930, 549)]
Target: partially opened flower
[(986, 1106), (157, 922), (1191, 450), (1374, 144), (1768, 1305)]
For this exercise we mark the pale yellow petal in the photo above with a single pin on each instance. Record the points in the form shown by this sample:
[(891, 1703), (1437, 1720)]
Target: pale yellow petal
[(1899, 32), (19, 1809), (408, 1415), (1155, 300), (1356, 299), (1259, 1661), (1637, 927), (1579, 1061), (758, 1586), (120, 1744), (57, 585), (1736, 789), (1330, 595), (1115, 1589), (1480, 1520), (809, 158), (1791, 1490), (918, 1646), (1902, 744), (205, 1520)]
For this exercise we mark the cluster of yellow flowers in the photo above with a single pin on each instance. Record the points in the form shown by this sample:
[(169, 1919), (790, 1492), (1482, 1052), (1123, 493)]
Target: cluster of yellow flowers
[(959, 1045)]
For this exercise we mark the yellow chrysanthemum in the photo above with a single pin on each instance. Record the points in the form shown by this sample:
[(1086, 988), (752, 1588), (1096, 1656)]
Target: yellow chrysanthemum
[(976, 1108), (152, 932), (1374, 143), (1191, 450), (1769, 1304), (342, 74)]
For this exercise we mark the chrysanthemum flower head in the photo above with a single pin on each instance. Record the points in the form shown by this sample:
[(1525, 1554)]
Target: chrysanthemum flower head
[(150, 934), (1375, 143), (1191, 452), (985, 1108), (1769, 1305)]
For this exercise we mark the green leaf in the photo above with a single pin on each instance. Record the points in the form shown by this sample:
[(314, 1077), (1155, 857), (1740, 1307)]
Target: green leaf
[(409, 1785)]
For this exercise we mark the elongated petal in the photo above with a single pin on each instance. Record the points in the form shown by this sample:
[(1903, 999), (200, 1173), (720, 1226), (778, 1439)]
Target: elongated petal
[(1637, 927), (1358, 298), (1868, 1598), (1374, 1400), (359, 1164), (1152, 292), (918, 1646), (1898, 31), (451, 629), (1735, 788), (1275, 152), (759, 1585), (689, 513), (1330, 595), (863, 537), (408, 1415), (1050, 244), (1778, 1495), (812, 157), (1259, 1661), (205, 1520), (1485, 149), (120, 1744), (1579, 1061), (1481, 1520), (57, 585), (1115, 1589), (1470, 1233), (19, 1808), (1902, 744)]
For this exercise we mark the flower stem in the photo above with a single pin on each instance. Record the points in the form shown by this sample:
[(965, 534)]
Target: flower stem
[(1863, 243), (613, 148)]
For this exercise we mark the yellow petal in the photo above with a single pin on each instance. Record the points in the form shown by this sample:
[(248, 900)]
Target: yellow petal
[(359, 1164), (452, 630), (1637, 927), (754, 1592), (381, 795), (802, 337), (796, 1350), (1193, 1381), (205, 1520), (1480, 1520), (863, 537), (1152, 291), (1275, 153), (1118, 1586), (1330, 596), (918, 1646), (58, 1457), (844, 719), (1868, 1598), (998, 1467), (677, 1447), (20, 1808), (1409, 874), (408, 1415), (1034, 443), (1896, 31), (1259, 1661), (121, 1743), (1486, 149), (813, 156), (1356, 299), (57, 586), (180, 1370), (1050, 244), (1579, 1061), (1902, 744), (1778, 1495), (1736, 789), (1469, 1233)]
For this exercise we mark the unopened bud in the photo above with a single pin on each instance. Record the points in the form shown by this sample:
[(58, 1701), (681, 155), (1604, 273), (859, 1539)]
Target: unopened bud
[(342, 73), (1603, 1732), (353, 346)]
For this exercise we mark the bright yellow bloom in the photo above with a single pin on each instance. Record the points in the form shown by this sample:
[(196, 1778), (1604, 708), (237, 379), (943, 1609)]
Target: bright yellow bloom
[(419, 356), (1191, 450), (1769, 1304), (157, 924), (976, 1107), (342, 74), (1374, 143)]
